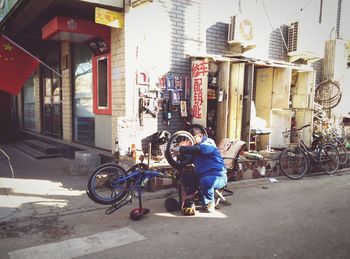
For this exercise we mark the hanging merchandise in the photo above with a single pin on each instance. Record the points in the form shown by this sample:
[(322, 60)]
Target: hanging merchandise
[(146, 105), (166, 112), (170, 83), (162, 83), (176, 97), (187, 88), (183, 109), (179, 82)]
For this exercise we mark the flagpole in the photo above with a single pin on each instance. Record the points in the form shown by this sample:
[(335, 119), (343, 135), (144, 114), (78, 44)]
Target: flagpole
[(41, 62)]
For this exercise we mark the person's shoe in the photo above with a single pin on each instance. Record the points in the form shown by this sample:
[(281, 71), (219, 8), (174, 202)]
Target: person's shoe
[(210, 207)]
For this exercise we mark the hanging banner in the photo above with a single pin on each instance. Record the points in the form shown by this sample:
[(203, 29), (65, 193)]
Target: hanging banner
[(109, 17), (16, 65), (199, 89)]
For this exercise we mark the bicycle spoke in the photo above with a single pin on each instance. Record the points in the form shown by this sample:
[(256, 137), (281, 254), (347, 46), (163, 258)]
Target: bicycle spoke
[(329, 159)]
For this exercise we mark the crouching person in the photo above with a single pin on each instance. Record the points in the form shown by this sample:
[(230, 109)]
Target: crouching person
[(209, 167)]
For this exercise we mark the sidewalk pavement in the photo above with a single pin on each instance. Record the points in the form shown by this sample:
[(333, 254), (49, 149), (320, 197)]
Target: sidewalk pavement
[(44, 188)]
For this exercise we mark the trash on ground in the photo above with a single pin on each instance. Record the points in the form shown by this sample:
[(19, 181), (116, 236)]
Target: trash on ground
[(273, 180)]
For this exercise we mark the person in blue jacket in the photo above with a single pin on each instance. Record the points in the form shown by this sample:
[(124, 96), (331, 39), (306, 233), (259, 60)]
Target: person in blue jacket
[(209, 167)]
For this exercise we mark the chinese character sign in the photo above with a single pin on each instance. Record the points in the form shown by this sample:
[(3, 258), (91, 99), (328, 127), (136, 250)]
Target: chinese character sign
[(199, 91)]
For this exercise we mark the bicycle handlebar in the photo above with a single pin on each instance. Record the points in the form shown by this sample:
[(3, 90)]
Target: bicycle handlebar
[(297, 129)]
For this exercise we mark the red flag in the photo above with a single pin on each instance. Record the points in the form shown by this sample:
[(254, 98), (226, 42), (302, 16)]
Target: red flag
[(16, 65)]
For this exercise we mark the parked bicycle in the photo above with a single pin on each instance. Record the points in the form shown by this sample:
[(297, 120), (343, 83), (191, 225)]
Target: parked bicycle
[(332, 136), (296, 161), (110, 184)]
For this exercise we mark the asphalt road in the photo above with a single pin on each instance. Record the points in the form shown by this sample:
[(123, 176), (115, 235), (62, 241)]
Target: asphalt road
[(308, 218)]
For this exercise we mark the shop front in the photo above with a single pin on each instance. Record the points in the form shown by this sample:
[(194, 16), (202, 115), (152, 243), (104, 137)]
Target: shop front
[(89, 57), (252, 100)]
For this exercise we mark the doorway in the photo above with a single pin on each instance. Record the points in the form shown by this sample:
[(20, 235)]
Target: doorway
[(52, 105)]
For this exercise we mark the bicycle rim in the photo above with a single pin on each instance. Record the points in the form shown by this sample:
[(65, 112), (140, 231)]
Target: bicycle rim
[(329, 159), (104, 187), (293, 163), (178, 161)]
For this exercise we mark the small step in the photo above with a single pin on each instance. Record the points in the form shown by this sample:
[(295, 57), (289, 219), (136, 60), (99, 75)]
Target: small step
[(34, 152), (42, 146)]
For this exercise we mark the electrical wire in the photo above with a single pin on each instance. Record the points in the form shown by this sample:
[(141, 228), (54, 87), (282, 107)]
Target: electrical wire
[(9, 161), (270, 21)]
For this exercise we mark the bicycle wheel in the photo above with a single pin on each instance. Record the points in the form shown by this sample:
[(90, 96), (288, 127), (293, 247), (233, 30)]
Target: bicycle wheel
[(343, 157), (178, 161), (102, 186), (294, 163), (194, 127), (329, 159)]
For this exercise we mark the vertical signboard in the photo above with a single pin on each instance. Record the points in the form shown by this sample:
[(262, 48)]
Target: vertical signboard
[(199, 89)]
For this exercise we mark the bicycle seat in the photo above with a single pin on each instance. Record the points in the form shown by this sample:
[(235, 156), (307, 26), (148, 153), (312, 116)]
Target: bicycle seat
[(316, 136)]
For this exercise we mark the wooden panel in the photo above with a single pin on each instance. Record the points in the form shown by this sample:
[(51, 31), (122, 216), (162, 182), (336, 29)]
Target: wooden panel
[(239, 113), (280, 121), (304, 117), (281, 88), (222, 107), (247, 101), (303, 93), (263, 97), (234, 120)]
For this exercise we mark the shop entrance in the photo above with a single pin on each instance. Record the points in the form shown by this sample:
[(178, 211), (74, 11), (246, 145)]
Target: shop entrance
[(52, 106)]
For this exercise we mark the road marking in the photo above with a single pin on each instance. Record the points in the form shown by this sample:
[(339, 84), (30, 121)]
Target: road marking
[(79, 246)]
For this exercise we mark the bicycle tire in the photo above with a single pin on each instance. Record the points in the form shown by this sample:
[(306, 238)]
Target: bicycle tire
[(178, 161), (100, 188), (193, 127), (343, 157), (329, 159), (294, 163), (328, 85)]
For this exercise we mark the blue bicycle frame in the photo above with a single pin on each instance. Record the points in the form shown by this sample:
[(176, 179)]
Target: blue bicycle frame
[(143, 177)]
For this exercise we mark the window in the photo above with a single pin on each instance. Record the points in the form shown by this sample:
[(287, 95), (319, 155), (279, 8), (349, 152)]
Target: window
[(102, 85), (84, 118), (29, 104)]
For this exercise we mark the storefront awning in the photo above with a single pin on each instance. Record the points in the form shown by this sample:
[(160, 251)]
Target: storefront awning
[(259, 62), (73, 30)]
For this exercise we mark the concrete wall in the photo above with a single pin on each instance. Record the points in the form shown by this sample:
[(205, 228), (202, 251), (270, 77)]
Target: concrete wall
[(103, 131)]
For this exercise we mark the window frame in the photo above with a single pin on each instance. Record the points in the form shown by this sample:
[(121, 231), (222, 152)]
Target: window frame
[(97, 109)]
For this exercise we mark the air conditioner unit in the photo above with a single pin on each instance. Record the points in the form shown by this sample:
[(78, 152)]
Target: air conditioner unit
[(241, 31), (304, 42)]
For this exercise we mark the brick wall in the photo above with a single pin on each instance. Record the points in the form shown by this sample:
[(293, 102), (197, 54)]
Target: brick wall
[(184, 37), (277, 49), (118, 79), (216, 39), (187, 35), (67, 109)]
